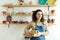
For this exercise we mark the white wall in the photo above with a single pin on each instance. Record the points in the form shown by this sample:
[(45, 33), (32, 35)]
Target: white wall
[(15, 32)]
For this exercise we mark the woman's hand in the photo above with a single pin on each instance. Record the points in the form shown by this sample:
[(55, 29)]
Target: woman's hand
[(37, 34), (27, 34)]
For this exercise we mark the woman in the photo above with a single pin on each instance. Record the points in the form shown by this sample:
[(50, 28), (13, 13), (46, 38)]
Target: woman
[(38, 23)]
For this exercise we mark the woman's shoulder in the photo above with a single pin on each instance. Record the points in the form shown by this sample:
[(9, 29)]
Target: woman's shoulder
[(45, 23)]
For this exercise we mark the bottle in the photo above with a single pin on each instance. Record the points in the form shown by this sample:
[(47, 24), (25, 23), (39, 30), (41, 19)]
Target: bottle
[(48, 19)]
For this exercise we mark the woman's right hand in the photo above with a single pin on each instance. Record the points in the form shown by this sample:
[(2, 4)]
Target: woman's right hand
[(27, 34), (37, 34)]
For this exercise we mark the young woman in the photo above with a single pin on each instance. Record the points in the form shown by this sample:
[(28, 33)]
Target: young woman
[(38, 23)]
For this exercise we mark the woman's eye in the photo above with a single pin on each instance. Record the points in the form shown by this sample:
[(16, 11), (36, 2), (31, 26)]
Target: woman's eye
[(38, 14)]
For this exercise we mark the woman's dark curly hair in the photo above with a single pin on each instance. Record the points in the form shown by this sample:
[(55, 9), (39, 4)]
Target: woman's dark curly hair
[(34, 16)]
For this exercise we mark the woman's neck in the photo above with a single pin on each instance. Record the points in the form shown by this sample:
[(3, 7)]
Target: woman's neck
[(38, 21)]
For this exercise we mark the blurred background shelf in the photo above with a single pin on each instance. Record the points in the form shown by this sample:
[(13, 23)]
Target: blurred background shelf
[(13, 24), (49, 14), (26, 14), (11, 6), (17, 24), (32, 5), (49, 24), (17, 14)]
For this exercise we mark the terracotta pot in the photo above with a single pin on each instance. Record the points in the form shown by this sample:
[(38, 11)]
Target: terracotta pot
[(4, 12), (52, 11), (21, 0), (52, 21), (4, 22)]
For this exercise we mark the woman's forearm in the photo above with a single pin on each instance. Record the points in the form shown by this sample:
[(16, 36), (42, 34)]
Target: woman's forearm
[(44, 33)]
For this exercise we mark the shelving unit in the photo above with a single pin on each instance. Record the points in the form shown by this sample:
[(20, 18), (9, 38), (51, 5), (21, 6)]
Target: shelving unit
[(12, 6)]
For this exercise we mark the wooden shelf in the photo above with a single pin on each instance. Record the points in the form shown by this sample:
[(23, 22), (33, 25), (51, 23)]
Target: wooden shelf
[(26, 5), (23, 15), (52, 14), (18, 14), (16, 24), (32, 5), (49, 24), (49, 14), (4, 23), (27, 14)]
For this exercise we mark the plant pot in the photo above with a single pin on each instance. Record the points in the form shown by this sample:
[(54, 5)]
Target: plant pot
[(42, 2), (52, 11), (52, 21), (4, 22), (51, 2)]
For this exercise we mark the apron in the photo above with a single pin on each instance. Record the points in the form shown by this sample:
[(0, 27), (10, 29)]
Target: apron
[(41, 29)]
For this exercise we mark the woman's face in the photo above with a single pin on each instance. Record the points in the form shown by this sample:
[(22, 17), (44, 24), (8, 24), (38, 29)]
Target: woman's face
[(39, 15)]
